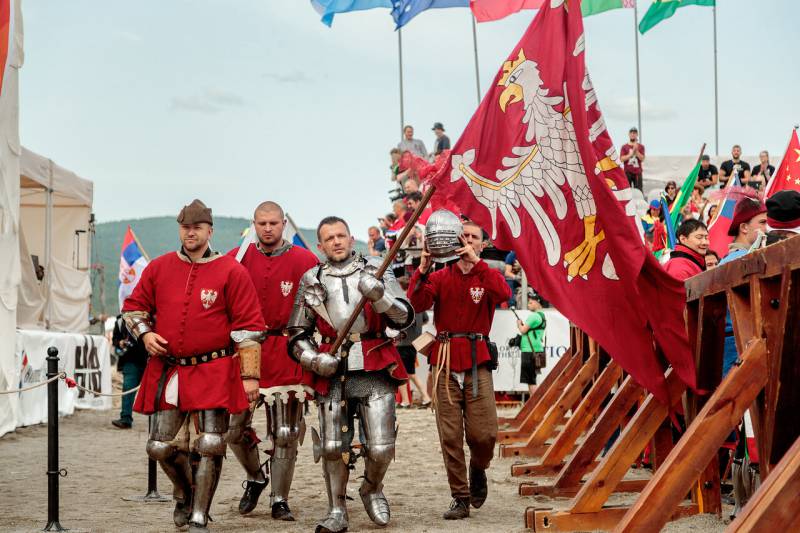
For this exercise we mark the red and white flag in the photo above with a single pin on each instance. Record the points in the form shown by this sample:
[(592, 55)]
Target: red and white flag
[(787, 177), (487, 10), (536, 167)]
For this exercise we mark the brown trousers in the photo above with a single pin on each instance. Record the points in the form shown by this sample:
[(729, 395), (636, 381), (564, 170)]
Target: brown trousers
[(473, 418)]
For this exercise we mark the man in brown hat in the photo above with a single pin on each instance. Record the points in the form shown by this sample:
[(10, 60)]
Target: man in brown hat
[(205, 357), (749, 218)]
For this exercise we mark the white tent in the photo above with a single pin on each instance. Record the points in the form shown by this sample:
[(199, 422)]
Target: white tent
[(9, 218), (55, 218)]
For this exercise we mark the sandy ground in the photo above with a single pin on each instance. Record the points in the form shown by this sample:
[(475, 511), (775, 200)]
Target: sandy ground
[(105, 464)]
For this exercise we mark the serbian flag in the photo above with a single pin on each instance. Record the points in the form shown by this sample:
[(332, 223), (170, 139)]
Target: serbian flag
[(488, 10), (292, 234), (536, 167), (788, 174), (132, 261)]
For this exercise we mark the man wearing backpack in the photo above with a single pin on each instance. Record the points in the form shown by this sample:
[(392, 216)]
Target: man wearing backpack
[(532, 343)]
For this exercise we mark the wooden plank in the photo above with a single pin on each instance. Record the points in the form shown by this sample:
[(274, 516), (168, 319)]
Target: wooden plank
[(595, 492), (661, 444), (546, 383), (699, 444), (603, 519), (706, 327), (507, 451), (548, 398), (608, 421), (538, 469), (583, 415), (782, 394), (533, 489), (769, 261), (569, 398), (774, 505)]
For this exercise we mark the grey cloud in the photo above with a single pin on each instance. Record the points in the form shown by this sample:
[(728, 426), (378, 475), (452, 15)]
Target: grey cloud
[(210, 101), (291, 77)]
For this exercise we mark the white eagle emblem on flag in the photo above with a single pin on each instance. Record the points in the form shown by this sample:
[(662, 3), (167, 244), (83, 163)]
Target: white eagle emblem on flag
[(286, 287), (476, 293), (208, 297)]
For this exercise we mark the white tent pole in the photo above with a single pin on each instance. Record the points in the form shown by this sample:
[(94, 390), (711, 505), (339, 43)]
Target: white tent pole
[(48, 245)]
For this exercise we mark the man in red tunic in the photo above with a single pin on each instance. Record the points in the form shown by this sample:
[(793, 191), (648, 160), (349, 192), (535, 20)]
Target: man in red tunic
[(197, 314), (275, 267), (464, 296)]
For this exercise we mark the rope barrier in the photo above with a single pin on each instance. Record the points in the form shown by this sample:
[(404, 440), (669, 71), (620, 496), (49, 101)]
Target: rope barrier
[(62, 375), (111, 395), (71, 384)]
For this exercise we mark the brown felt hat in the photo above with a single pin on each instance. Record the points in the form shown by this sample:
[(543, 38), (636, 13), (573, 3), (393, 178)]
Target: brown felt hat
[(195, 213)]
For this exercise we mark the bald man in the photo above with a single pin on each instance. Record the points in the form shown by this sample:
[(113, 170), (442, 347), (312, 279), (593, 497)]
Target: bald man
[(275, 267)]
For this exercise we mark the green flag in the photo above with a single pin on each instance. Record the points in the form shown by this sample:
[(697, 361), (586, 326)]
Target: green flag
[(593, 7), (683, 196), (664, 9)]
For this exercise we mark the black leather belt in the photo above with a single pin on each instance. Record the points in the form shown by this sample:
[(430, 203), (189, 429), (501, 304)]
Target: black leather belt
[(171, 360), (193, 360), (473, 349)]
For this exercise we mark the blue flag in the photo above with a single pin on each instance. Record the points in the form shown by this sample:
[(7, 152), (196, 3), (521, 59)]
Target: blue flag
[(328, 8), (405, 10), (668, 222)]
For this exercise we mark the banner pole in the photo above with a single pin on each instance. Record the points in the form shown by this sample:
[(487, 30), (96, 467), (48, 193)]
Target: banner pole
[(638, 84), (475, 49), (400, 64), (716, 86)]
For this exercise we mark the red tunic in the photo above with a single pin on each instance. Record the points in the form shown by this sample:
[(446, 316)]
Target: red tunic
[(683, 268), (463, 303), (195, 306), (276, 278)]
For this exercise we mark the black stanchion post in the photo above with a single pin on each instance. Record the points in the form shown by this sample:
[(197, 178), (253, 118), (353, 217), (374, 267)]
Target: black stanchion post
[(53, 471), (152, 480)]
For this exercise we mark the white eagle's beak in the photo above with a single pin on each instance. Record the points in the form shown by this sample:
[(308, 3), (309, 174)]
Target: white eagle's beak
[(511, 94)]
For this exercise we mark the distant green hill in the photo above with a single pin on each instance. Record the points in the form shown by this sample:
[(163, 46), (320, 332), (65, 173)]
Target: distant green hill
[(158, 235)]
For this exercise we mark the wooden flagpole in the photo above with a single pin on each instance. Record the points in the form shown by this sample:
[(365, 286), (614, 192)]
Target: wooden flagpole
[(387, 261)]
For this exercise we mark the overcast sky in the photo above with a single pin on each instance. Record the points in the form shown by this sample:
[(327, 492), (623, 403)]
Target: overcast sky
[(238, 101)]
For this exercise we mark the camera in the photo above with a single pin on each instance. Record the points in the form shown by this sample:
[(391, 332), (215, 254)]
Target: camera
[(396, 194)]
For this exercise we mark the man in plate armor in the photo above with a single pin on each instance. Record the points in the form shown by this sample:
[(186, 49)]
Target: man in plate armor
[(275, 267), (362, 378), (197, 314)]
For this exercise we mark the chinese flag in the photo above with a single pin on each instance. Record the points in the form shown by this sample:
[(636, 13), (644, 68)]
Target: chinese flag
[(788, 174), (536, 167)]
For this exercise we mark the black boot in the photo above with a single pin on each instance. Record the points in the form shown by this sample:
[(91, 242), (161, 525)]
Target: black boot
[(252, 490), (459, 508), (281, 511), (478, 489)]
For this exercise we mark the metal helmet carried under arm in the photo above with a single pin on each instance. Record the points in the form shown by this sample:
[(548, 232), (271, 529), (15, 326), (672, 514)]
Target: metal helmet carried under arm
[(441, 235)]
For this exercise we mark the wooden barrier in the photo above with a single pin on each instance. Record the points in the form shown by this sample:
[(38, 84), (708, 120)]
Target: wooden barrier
[(761, 292), (513, 424), (764, 301), (547, 426), (548, 397)]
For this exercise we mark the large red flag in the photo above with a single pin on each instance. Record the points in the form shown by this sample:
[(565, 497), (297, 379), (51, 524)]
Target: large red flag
[(537, 168), (788, 174), (486, 10)]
